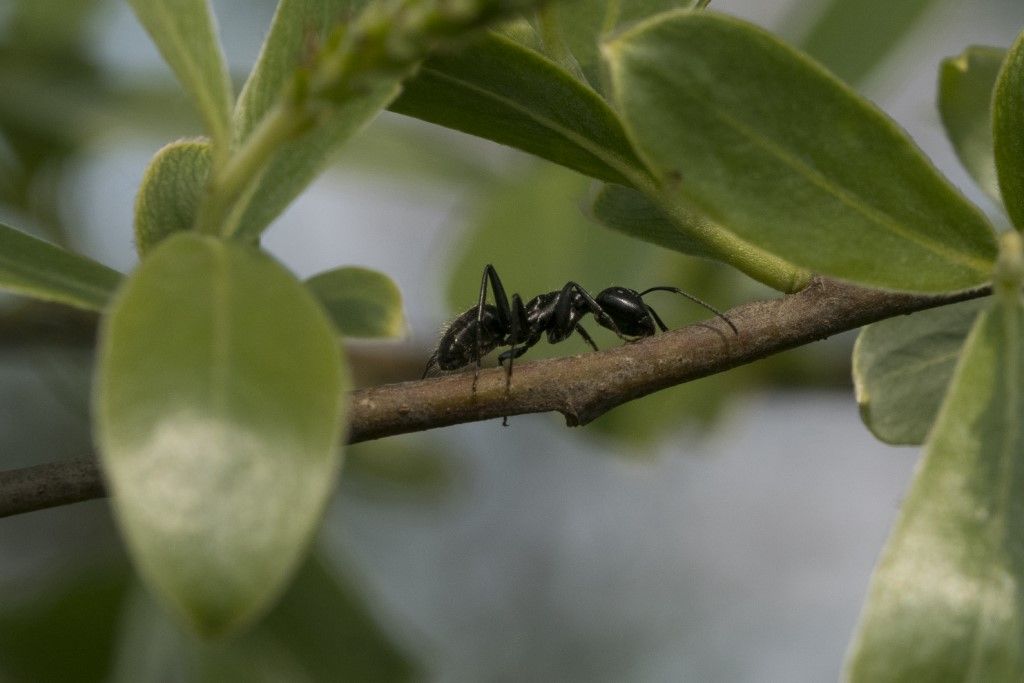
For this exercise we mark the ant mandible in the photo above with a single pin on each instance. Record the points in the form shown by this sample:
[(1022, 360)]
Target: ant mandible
[(484, 327)]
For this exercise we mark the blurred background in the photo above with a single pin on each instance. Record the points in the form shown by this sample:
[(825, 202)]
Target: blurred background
[(720, 531)]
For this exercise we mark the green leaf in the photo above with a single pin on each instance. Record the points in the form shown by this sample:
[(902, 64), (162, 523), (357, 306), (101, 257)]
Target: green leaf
[(186, 35), (584, 23), (297, 25), (498, 89), (171, 191), (946, 602), (218, 405), (41, 270), (361, 302), (902, 367), (766, 144), (1008, 131), (65, 630), (965, 104), (852, 38), (633, 213), (320, 630)]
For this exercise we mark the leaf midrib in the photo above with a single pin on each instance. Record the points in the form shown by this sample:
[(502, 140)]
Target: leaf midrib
[(816, 178)]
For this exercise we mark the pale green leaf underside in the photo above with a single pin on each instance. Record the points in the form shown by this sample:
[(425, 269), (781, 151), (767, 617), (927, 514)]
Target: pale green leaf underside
[(946, 602), (902, 367), (633, 213), (219, 406), (171, 191), (584, 23), (186, 35), (965, 104), (773, 148), (38, 269), (360, 302), (1008, 131), (498, 89)]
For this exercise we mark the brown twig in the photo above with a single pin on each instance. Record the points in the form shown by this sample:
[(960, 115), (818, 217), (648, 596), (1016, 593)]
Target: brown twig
[(580, 387)]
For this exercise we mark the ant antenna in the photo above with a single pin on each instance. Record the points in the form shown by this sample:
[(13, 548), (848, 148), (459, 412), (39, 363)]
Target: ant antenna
[(696, 301)]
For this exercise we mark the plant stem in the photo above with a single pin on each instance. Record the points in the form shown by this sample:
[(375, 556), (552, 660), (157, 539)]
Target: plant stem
[(580, 387), (245, 166)]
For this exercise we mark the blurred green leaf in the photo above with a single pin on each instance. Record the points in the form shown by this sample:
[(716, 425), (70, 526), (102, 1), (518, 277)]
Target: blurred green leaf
[(321, 630), (633, 213), (186, 35), (218, 410), (65, 632), (41, 270), (771, 147), (171, 190), (410, 462), (1008, 131), (965, 104), (852, 38), (584, 23), (360, 302), (947, 602), (902, 367), (298, 27), (498, 89)]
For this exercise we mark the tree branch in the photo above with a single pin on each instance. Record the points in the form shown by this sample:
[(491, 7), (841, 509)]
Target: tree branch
[(580, 387)]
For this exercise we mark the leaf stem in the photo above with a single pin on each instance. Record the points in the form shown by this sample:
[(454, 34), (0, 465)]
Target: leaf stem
[(246, 165)]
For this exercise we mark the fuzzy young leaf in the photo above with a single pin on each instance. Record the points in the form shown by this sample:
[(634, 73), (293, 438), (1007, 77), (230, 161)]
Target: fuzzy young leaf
[(219, 405), (1008, 131), (41, 270), (498, 89), (965, 104), (171, 191), (361, 302), (947, 599), (902, 367), (773, 148), (186, 34)]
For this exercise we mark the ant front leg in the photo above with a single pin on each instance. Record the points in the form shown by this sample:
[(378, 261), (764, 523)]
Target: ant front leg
[(565, 305), (500, 303), (586, 337)]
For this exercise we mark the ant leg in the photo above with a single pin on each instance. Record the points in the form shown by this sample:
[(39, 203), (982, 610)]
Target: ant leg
[(657, 318), (500, 302), (695, 300), (586, 337), (431, 362), (518, 318)]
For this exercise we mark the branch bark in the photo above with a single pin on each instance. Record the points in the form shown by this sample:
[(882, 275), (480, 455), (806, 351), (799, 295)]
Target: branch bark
[(580, 387)]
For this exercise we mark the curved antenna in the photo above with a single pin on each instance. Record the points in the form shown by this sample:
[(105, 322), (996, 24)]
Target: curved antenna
[(696, 301)]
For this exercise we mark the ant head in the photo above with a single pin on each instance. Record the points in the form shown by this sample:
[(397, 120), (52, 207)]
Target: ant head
[(626, 308)]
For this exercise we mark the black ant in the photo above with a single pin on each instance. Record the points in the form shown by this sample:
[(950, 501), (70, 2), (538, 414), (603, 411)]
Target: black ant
[(484, 327)]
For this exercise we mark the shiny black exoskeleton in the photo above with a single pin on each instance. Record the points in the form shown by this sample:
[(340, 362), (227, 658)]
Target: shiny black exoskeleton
[(485, 327)]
